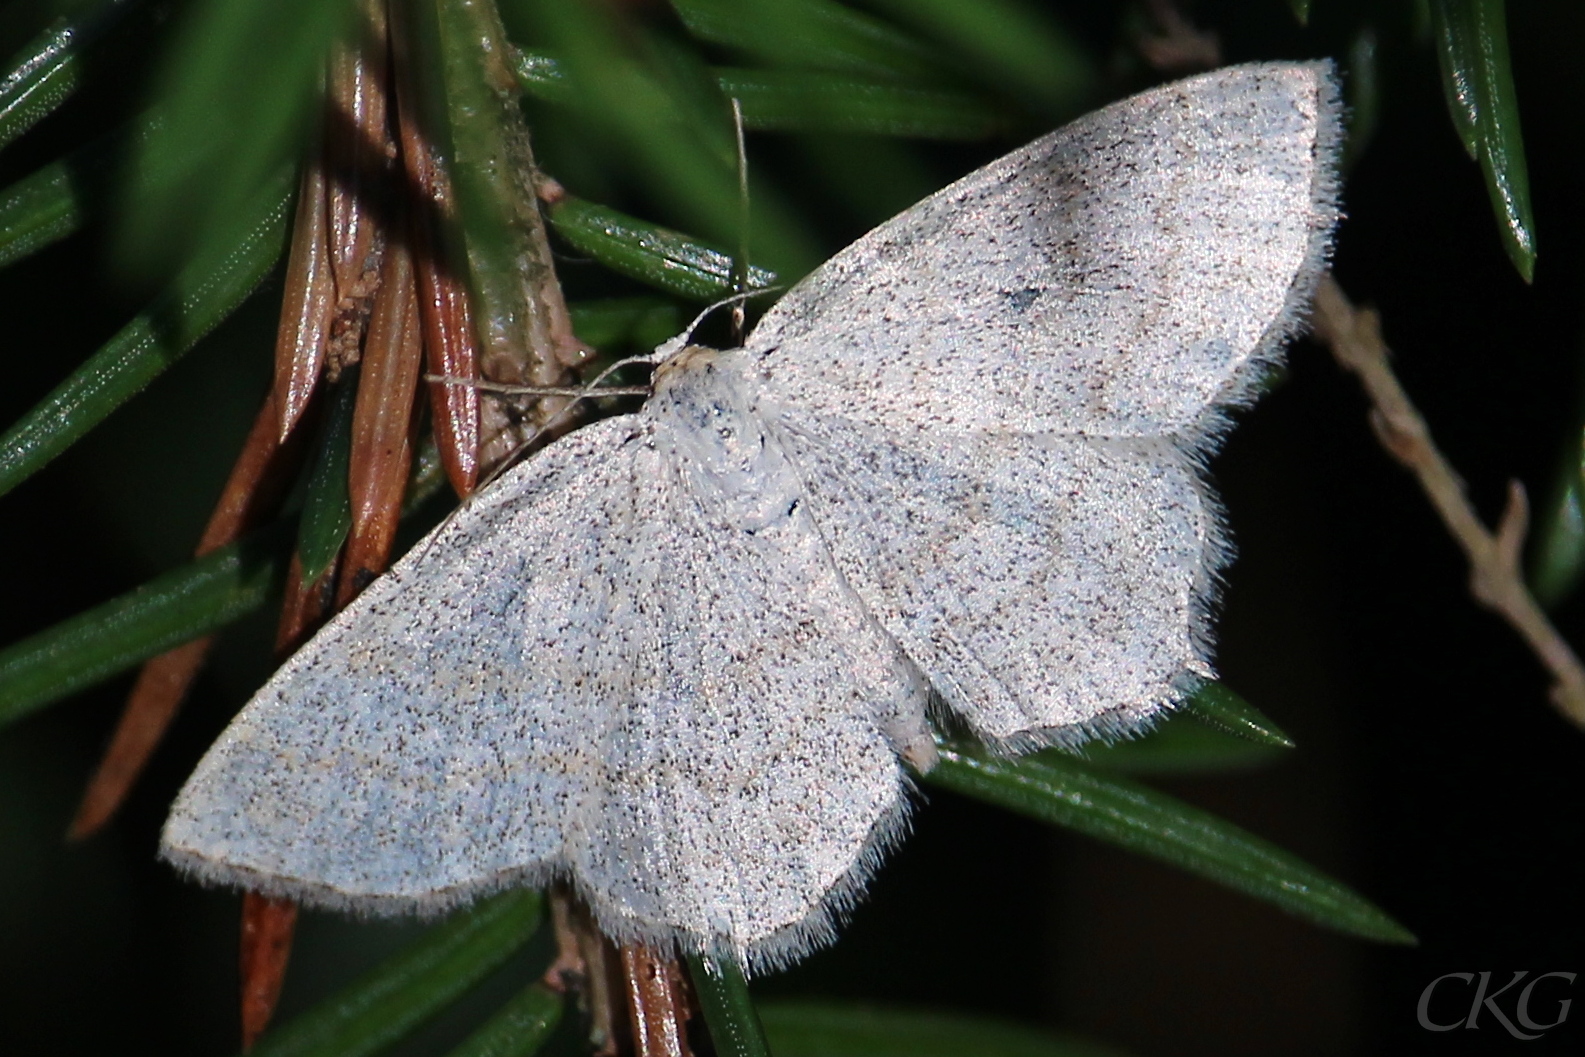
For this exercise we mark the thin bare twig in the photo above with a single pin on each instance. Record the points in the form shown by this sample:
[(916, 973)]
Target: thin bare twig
[(1354, 336), (588, 966)]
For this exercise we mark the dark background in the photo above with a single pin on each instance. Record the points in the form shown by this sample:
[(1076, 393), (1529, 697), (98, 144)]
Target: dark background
[(1431, 773)]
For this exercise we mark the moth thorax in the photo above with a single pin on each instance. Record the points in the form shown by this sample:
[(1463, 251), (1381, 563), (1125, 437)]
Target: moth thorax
[(695, 374)]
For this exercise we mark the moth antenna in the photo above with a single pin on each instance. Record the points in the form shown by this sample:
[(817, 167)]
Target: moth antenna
[(510, 389), (740, 263), (578, 394), (672, 346)]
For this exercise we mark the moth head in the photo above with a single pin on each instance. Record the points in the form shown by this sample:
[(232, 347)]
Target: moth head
[(680, 369)]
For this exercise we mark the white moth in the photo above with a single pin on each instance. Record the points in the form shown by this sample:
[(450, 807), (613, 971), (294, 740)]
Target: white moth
[(678, 658)]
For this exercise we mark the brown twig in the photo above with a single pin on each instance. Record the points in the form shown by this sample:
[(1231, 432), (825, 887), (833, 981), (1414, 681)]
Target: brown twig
[(267, 926), (657, 1002), (1354, 336)]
